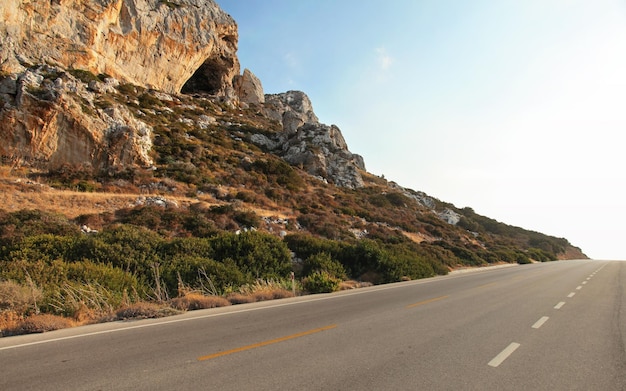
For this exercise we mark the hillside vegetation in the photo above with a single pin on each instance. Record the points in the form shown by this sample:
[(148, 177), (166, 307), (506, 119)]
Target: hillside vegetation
[(218, 220)]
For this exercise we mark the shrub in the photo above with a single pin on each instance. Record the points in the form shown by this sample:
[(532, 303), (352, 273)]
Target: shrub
[(130, 248), (306, 245), (247, 219), (322, 262), (280, 173), (540, 255), (82, 300), (321, 282), (522, 258), (202, 274), (397, 199), (15, 226), (257, 254)]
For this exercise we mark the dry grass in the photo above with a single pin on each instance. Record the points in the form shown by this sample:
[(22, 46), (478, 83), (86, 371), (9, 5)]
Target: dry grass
[(30, 195), (9, 320), (351, 284), (261, 290), (14, 296), (39, 323), (419, 237), (18, 193), (145, 310), (197, 301), (239, 298)]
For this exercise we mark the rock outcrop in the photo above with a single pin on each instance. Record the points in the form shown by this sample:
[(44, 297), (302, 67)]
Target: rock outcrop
[(291, 109), (319, 149), (48, 120), (248, 88), (168, 45)]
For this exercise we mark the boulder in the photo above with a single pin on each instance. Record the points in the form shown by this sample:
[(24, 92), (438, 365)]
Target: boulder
[(248, 88)]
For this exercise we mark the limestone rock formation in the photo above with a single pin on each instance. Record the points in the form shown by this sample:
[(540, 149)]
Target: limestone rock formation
[(168, 45), (47, 112), (291, 109), (319, 149), (248, 88), (43, 123), (322, 151)]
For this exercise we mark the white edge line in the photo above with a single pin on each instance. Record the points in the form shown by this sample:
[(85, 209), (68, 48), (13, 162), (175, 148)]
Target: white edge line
[(540, 322), (497, 360)]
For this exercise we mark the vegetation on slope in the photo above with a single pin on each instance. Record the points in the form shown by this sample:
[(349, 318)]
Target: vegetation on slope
[(244, 220)]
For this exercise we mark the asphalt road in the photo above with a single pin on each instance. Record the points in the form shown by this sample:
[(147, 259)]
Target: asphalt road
[(555, 326)]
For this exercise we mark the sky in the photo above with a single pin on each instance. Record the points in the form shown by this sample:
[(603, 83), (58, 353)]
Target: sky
[(515, 108)]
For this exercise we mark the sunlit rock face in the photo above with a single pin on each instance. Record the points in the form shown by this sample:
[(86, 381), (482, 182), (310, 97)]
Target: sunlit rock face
[(51, 124), (167, 45), (248, 88), (319, 149)]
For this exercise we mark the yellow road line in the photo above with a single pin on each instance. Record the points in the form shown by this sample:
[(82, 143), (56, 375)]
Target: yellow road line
[(265, 343), (486, 285), (427, 301)]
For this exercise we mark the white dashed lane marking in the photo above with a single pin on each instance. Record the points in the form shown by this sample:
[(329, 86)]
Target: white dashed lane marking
[(499, 359), (540, 322)]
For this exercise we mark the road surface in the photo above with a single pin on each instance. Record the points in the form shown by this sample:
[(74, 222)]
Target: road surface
[(553, 326)]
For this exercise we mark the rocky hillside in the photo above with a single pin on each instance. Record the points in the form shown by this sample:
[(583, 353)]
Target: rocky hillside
[(145, 99)]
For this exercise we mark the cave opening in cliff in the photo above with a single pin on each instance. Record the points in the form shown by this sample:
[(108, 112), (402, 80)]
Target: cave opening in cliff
[(209, 77)]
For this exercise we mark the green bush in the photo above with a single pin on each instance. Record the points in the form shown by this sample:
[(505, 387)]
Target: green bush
[(322, 262), (540, 255), (321, 282), (257, 254), (279, 172), (201, 274), (15, 226)]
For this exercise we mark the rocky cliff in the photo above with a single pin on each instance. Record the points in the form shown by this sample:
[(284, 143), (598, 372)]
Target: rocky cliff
[(66, 65), (165, 45)]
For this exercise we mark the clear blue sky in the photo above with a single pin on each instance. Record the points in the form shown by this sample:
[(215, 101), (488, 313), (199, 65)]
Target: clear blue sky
[(514, 108)]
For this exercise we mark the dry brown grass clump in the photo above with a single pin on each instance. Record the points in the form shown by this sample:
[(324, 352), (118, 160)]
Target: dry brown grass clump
[(197, 301), (145, 310), (260, 291), (20, 298), (37, 324), (240, 298), (346, 285), (9, 320)]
